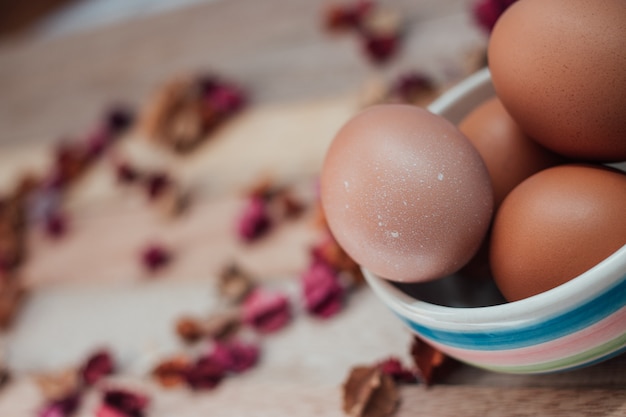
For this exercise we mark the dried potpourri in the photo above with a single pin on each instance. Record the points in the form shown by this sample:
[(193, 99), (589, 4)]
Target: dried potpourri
[(266, 311), (379, 31), (118, 402), (369, 392), (428, 360), (172, 372), (155, 257), (234, 284), (235, 356), (322, 291), (62, 407), (97, 366), (205, 373), (487, 12), (187, 109)]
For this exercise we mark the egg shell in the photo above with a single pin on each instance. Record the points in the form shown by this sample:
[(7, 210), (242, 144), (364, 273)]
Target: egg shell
[(556, 225), (405, 193), (509, 154), (559, 68)]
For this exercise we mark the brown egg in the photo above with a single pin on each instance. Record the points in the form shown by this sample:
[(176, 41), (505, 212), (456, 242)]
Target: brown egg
[(405, 193), (509, 154), (556, 225), (559, 68)]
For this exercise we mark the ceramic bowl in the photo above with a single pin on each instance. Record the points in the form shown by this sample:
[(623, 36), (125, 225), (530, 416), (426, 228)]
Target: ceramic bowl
[(579, 323)]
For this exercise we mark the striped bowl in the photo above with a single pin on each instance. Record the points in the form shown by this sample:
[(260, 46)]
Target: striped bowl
[(577, 324)]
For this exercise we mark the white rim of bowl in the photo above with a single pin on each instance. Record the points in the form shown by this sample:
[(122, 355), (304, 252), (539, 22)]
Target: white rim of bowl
[(583, 287)]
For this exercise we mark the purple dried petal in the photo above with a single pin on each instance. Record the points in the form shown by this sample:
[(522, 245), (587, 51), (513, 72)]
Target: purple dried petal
[(63, 407), (235, 356), (226, 99), (206, 373), (97, 366), (266, 311), (323, 294), (127, 403), (155, 257), (255, 221)]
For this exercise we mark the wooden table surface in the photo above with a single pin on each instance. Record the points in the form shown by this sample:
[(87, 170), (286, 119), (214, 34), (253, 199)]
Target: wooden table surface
[(304, 84)]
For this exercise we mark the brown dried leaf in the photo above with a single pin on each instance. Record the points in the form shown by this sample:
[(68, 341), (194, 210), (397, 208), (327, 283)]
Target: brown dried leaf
[(368, 392), (55, 386), (234, 283), (171, 372), (427, 359)]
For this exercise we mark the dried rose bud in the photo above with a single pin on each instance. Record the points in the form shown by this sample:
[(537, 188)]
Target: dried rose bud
[(172, 372), (56, 224), (62, 407), (368, 392), (254, 221), (205, 373), (225, 99), (234, 283), (322, 293), (266, 311), (347, 16), (126, 173), (122, 403), (156, 183), (118, 119), (328, 251), (155, 257), (97, 366), (379, 48), (235, 356), (427, 359), (394, 368), (409, 87), (487, 12)]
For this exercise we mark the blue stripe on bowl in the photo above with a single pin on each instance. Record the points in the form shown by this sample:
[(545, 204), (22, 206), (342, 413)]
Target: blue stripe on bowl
[(579, 317)]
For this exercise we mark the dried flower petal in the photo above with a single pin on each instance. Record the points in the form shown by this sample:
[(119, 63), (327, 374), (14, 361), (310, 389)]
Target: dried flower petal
[(63, 407), (368, 392), (189, 329), (205, 373), (323, 295), (394, 368), (172, 372), (380, 47), (427, 359), (155, 257), (56, 224), (118, 119), (266, 311), (254, 221), (487, 12), (126, 173), (122, 403), (156, 183), (235, 283), (225, 99), (97, 366), (347, 16), (235, 356), (410, 87), (222, 325), (327, 250)]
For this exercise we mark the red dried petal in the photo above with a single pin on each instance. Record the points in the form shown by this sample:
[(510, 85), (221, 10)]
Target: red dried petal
[(206, 373), (97, 366), (123, 403), (126, 173), (380, 48), (487, 12), (323, 295), (427, 359), (63, 407), (254, 221), (156, 183), (225, 99), (394, 368), (266, 311), (235, 356), (155, 257), (347, 16), (56, 224)]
